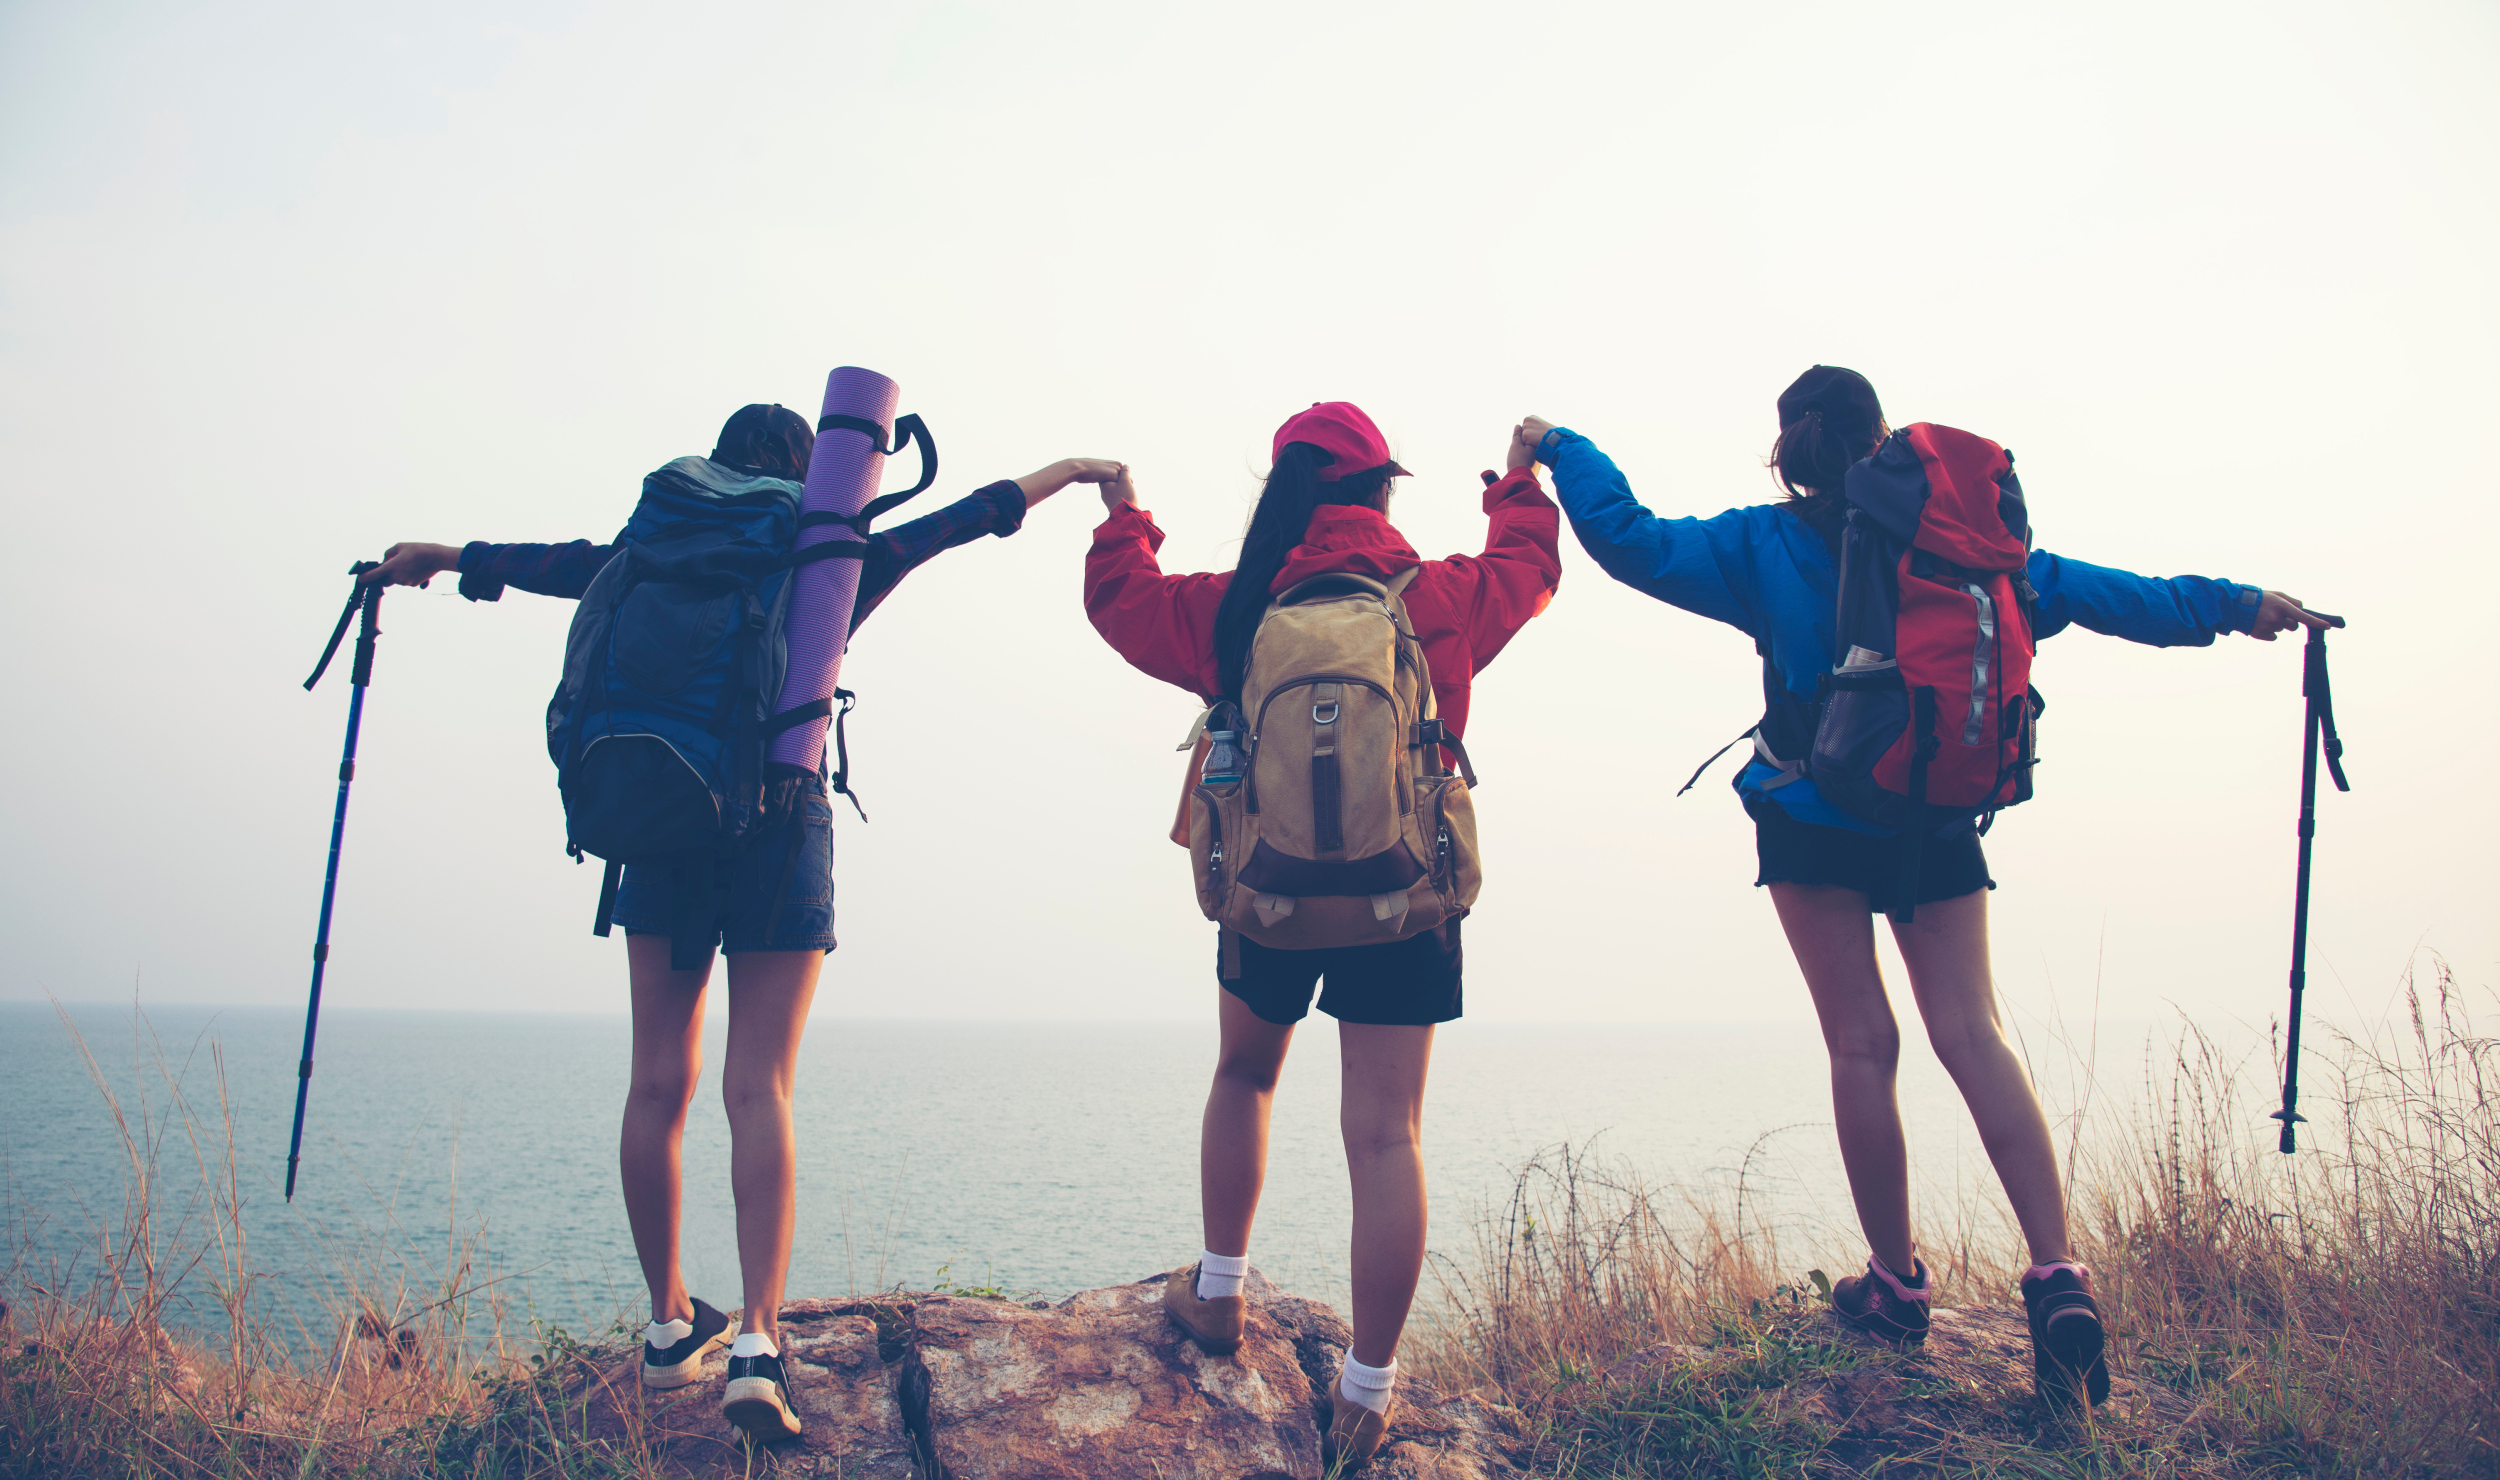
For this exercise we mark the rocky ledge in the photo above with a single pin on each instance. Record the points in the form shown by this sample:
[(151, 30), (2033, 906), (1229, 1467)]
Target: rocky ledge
[(1099, 1386)]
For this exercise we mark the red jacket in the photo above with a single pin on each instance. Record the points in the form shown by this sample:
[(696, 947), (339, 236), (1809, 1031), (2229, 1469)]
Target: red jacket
[(1465, 608)]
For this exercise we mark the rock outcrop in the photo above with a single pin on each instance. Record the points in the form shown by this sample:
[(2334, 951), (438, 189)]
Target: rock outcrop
[(1100, 1386)]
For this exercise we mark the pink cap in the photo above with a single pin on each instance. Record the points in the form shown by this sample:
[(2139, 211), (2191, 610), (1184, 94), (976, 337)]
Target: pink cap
[(1340, 429)]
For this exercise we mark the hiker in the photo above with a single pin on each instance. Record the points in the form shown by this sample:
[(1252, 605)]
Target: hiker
[(1431, 625), (769, 909), (1773, 571)]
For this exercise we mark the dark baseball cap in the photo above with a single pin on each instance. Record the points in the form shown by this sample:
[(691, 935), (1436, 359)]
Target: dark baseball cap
[(773, 438), (1843, 396)]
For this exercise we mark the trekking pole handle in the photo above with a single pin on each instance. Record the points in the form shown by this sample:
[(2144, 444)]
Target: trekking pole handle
[(358, 595), (2331, 621)]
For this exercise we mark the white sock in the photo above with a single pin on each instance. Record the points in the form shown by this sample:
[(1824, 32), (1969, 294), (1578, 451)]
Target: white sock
[(1368, 1386), (665, 1334), (1220, 1275), (753, 1344)]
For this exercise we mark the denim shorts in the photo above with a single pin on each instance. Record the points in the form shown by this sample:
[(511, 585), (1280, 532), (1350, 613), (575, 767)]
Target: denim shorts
[(777, 895)]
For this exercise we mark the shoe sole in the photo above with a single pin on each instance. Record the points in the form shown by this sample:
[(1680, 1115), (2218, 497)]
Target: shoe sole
[(2074, 1355), (754, 1405), (664, 1379)]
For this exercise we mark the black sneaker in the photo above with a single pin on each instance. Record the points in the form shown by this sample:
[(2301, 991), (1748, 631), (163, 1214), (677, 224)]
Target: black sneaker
[(1884, 1305), (758, 1400), (2066, 1335), (680, 1363)]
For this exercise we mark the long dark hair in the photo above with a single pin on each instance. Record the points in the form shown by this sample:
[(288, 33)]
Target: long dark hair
[(1829, 419), (1293, 495)]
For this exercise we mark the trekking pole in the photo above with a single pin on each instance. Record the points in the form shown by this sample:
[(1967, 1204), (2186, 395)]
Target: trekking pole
[(368, 601), (2319, 735)]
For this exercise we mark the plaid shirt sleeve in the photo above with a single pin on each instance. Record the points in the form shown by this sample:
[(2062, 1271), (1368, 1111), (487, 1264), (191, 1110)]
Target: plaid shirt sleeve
[(895, 553), (566, 570), (549, 570)]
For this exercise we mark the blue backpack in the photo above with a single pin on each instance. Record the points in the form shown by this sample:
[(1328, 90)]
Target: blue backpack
[(672, 670)]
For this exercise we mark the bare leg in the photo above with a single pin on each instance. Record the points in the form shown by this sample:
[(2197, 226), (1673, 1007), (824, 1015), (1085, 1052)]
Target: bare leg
[(668, 1058), (769, 993), (1946, 949), (1232, 1139), (1833, 936), (1381, 1115)]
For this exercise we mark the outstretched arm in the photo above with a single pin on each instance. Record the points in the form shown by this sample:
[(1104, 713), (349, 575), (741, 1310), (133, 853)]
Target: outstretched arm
[(1702, 565), (2174, 611), (997, 509), (1164, 625), (485, 569), (1515, 578)]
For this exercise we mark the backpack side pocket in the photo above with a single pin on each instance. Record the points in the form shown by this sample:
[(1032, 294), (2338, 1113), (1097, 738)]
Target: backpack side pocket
[(1218, 829)]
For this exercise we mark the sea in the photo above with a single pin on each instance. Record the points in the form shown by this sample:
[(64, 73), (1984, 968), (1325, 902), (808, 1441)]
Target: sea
[(473, 1155)]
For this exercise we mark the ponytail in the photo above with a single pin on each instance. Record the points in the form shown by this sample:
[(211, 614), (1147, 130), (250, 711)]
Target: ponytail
[(1281, 520), (1829, 420)]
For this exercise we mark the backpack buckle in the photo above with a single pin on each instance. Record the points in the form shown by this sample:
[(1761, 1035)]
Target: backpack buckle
[(1328, 718)]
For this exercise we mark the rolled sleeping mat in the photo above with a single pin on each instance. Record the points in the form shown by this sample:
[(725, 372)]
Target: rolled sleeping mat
[(842, 477)]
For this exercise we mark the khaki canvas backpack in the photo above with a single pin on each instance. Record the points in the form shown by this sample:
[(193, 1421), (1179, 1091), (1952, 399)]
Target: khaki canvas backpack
[(1347, 827)]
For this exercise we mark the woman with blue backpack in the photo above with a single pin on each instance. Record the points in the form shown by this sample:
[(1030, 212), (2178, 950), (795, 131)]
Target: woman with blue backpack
[(768, 908), (1895, 599)]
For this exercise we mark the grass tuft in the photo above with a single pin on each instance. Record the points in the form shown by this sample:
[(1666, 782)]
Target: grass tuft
[(2334, 1313)]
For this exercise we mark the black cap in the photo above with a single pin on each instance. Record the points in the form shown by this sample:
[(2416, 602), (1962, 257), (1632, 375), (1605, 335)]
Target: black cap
[(1846, 399), (769, 439)]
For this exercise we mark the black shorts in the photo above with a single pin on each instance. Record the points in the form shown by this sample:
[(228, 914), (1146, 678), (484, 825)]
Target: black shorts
[(1793, 852), (1406, 983)]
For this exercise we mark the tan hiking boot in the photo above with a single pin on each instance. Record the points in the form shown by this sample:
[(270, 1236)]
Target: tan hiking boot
[(1214, 1324), (1355, 1432)]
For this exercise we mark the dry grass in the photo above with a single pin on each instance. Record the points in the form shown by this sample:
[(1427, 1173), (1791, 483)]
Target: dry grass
[(406, 1372), (2333, 1313), (2337, 1313)]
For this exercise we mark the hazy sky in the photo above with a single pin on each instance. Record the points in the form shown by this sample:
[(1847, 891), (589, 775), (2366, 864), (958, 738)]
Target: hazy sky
[(280, 285)]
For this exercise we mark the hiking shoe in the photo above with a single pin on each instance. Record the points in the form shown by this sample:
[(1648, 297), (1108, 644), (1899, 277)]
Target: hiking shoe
[(1880, 1304), (1355, 1432), (2066, 1335), (758, 1400), (681, 1362), (1214, 1324)]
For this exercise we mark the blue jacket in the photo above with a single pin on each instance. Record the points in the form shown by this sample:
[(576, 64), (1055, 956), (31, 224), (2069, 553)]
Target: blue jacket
[(1761, 570)]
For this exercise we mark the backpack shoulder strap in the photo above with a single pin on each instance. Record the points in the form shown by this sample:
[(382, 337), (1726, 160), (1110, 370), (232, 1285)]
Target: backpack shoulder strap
[(1395, 587)]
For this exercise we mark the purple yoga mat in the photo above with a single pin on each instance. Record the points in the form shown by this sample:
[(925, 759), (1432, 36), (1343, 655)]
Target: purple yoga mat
[(842, 476)]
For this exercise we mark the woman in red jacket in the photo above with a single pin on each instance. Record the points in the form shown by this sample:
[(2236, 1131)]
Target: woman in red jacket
[(1325, 509)]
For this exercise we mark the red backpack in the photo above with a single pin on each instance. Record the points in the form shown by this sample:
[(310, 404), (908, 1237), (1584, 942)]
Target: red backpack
[(1929, 711)]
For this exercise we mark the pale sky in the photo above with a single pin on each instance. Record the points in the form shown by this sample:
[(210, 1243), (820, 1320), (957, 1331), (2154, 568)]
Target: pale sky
[(280, 285)]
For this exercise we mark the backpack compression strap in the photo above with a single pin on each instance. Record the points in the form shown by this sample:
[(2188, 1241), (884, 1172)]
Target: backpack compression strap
[(819, 709), (1431, 731), (906, 429)]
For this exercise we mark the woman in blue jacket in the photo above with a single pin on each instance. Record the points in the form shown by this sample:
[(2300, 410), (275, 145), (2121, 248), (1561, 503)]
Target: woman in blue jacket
[(1769, 570)]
